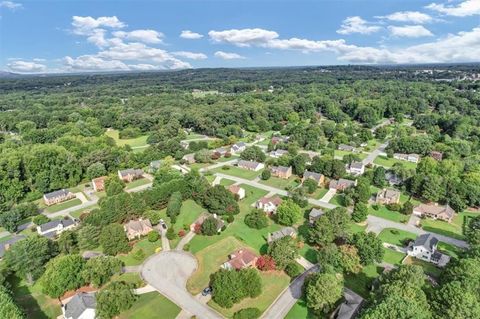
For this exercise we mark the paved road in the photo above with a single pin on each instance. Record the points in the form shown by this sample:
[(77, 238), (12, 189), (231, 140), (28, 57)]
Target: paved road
[(376, 127), (275, 190), (168, 272), (282, 305), (217, 165), (373, 155), (185, 240), (377, 224)]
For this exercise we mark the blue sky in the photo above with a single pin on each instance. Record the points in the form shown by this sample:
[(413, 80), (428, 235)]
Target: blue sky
[(81, 36)]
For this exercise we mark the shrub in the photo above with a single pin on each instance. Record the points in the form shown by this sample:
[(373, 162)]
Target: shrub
[(186, 247), (225, 167), (40, 219), (293, 269), (153, 236), (197, 229), (265, 263), (138, 254), (407, 208), (171, 234), (376, 206), (230, 219), (181, 233), (266, 174), (256, 219), (209, 226), (247, 313), (394, 207)]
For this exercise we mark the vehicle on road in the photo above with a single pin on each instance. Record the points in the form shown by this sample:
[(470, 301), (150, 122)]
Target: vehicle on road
[(206, 291), (162, 223)]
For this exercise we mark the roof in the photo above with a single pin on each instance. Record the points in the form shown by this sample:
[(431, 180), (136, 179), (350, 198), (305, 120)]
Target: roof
[(428, 241), (356, 165), (388, 193), (241, 258), (316, 213), (281, 169), (88, 254), (54, 223), (279, 152), (312, 175), (240, 144), (131, 171), (350, 306), (285, 231), (345, 147), (99, 181), (155, 164), (79, 303), (235, 189), (9, 242), (275, 200), (249, 164), (55, 194), (435, 210), (340, 183), (138, 225)]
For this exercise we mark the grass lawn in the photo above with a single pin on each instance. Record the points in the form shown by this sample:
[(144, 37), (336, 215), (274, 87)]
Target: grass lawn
[(341, 154), (194, 136), (189, 213), (64, 205), (337, 199), (147, 247), (199, 165), (238, 172), (280, 182), (396, 236), (361, 282), (150, 306), (451, 250), (210, 178), (319, 193), (137, 182), (393, 257), (428, 268), (226, 182), (453, 229), (130, 277), (31, 299), (308, 252), (356, 228), (388, 162), (383, 212), (299, 311), (273, 283), (133, 142), (76, 214)]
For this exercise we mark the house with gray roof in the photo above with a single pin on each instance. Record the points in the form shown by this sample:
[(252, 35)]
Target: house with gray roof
[(250, 165), (57, 197), (284, 232), (281, 171), (425, 248), (341, 184), (317, 177), (277, 153), (80, 306), (154, 165), (355, 168), (56, 227), (238, 147), (129, 175), (346, 148), (387, 196), (5, 245), (350, 306), (314, 215)]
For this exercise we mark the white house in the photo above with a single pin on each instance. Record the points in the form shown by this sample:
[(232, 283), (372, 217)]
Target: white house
[(238, 147), (80, 306), (414, 158), (277, 153), (237, 190), (425, 248), (356, 168), (250, 165), (56, 227), (269, 204)]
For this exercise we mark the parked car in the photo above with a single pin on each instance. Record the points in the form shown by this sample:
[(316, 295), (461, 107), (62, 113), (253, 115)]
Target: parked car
[(206, 291), (162, 223)]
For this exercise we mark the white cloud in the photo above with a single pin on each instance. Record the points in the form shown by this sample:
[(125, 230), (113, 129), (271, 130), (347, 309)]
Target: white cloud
[(228, 55), (11, 5), (93, 63), (85, 25), (187, 34), (143, 67), (408, 16), (410, 31), (26, 67), (146, 36), (243, 37), (357, 25), (463, 9), (190, 55), (39, 60)]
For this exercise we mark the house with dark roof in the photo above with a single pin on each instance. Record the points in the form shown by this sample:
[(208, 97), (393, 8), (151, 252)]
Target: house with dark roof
[(284, 232), (250, 165), (238, 147), (57, 197), (341, 184), (80, 306), (56, 227), (387, 196), (317, 177), (241, 259), (189, 158), (435, 211), (350, 306), (269, 204), (7, 244), (355, 168), (425, 248), (129, 175), (281, 171), (99, 183), (277, 153), (314, 215), (346, 148)]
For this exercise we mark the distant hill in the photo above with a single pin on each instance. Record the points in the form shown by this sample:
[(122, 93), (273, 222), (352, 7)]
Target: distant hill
[(6, 74)]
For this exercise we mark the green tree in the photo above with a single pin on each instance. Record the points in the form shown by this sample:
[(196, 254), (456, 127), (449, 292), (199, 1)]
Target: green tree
[(113, 240), (311, 185), (115, 298), (210, 226), (379, 176), (174, 206), (370, 248), (322, 291), (40, 219), (62, 273), (88, 236), (266, 174), (114, 186), (68, 242), (360, 212), (98, 270), (230, 287), (472, 231), (293, 269), (362, 191), (253, 153), (256, 219), (283, 251), (288, 213), (452, 300), (96, 170), (153, 236), (203, 156), (8, 308), (218, 200)]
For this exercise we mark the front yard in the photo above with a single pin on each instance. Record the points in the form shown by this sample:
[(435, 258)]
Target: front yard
[(389, 162), (281, 183), (384, 212), (148, 250), (138, 182), (237, 172), (453, 229), (61, 206), (151, 305), (396, 236)]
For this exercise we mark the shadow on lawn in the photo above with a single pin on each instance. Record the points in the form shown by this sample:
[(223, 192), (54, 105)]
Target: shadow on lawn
[(22, 295)]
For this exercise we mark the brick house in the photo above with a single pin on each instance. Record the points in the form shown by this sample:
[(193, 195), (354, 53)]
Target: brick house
[(237, 191), (317, 177), (269, 204), (241, 259), (435, 211), (281, 171), (387, 196), (129, 175), (57, 197), (341, 184), (137, 228), (99, 183), (250, 165)]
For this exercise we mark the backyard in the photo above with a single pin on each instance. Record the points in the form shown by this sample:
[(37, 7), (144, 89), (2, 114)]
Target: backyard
[(137, 183), (61, 206)]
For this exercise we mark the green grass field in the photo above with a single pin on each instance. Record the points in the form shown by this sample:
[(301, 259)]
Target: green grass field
[(337, 199), (129, 277), (299, 311), (388, 162), (147, 247), (133, 142), (226, 182), (280, 182), (383, 212), (319, 193), (237, 172), (451, 250), (396, 236), (341, 154), (79, 212), (393, 257), (61, 206), (361, 282), (137, 182), (151, 305), (453, 229)]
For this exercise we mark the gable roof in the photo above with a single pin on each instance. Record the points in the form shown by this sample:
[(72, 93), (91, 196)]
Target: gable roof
[(285, 231), (9, 242), (249, 164), (99, 182), (138, 226), (428, 241), (316, 213), (350, 306), (312, 175), (435, 210), (241, 258), (131, 171), (356, 165), (79, 303), (275, 200), (388, 193), (235, 189), (54, 223), (55, 194), (281, 169)]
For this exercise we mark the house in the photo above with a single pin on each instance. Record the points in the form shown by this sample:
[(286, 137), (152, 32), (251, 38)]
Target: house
[(387, 196), (350, 307), (237, 191), (414, 158), (277, 153), (80, 306), (435, 211), (279, 139), (356, 168), (241, 259), (425, 248), (205, 216), (89, 254), (154, 166), (269, 204), (57, 197), (185, 145), (281, 171), (250, 165), (137, 228), (99, 183), (56, 227), (346, 148), (238, 147), (7, 244), (129, 175), (314, 215), (284, 232), (436, 155), (189, 158), (393, 179), (341, 184), (221, 151), (317, 177)]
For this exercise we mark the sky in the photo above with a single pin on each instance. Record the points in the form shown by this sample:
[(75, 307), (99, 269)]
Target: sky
[(98, 35)]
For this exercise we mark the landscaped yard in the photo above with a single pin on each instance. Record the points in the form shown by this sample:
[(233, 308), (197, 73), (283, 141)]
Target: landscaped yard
[(273, 283), (237, 172), (319, 193), (31, 299), (61, 206), (453, 229), (396, 236), (448, 249), (337, 199), (428, 268), (137, 182), (130, 277), (280, 182), (361, 282), (385, 213), (151, 305), (388, 162), (341, 154), (393, 257), (148, 249), (133, 142), (226, 182), (299, 311), (356, 228)]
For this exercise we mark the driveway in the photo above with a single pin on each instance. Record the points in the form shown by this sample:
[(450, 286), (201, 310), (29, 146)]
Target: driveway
[(329, 195), (168, 272), (373, 155)]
